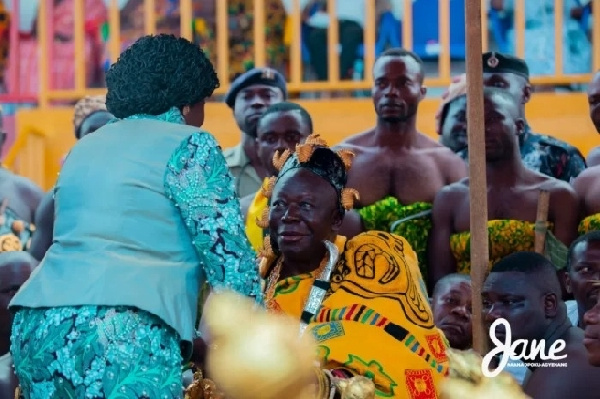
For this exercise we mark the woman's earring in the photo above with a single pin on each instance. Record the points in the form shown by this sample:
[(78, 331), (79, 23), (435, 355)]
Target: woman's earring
[(186, 110)]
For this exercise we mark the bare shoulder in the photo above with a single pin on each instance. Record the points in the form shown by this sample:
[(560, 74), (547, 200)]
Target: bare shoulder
[(441, 153), (357, 142), (558, 189), (593, 158), (588, 175), (454, 192)]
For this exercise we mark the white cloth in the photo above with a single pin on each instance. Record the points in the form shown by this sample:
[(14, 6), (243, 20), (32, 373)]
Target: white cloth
[(573, 312)]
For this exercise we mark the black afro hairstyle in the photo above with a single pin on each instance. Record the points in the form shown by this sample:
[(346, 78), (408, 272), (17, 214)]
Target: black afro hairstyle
[(157, 73)]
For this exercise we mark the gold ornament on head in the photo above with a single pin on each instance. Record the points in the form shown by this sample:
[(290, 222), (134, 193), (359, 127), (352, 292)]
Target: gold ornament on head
[(315, 140), (304, 152), (347, 157), (279, 159), (267, 187), (263, 222), (348, 196)]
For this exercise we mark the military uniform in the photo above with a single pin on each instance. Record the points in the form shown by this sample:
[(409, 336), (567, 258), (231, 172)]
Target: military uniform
[(246, 179), (547, 155), (544, 154)]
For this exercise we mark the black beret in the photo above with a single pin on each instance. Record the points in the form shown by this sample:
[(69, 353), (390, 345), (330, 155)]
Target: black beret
[(494, 62), (264, 76)]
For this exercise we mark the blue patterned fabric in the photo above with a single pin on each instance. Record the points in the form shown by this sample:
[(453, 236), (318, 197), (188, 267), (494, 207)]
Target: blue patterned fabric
[(95, 352), (124, 352), (211, 212)]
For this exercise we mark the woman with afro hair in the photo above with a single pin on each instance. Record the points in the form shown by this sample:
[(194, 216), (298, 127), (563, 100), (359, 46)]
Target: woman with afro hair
[(145, 213)]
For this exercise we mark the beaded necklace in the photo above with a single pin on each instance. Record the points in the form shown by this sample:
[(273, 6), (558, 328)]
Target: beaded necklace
[(274, 279)]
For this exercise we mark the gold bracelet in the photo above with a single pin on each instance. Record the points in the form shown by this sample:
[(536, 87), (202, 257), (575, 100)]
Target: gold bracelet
[(324, 384)]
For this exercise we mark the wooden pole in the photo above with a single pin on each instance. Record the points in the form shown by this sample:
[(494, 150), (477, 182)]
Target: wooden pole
[(542, 218), (477, 168)]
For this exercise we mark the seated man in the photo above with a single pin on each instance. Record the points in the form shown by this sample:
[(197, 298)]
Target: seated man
[(451, 306), (587, 187), (375, 293), (541, 153), (583, 266), (591, 319), (451, 116), (513, 193), (283, 126), (524, 290), (397, 169), (15, 268)]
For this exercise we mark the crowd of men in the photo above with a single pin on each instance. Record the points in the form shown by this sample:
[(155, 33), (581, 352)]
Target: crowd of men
[(416, 187)]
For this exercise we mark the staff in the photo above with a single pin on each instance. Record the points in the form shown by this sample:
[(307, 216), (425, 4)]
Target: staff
[(478, 185)]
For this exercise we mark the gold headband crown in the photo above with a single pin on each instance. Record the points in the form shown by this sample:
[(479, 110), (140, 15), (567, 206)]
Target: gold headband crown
[(303, 154)]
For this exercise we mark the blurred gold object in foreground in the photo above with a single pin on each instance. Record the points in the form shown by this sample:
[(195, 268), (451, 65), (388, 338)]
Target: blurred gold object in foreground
[(358, 387), (466, 380), (202, 388), (257, 355)]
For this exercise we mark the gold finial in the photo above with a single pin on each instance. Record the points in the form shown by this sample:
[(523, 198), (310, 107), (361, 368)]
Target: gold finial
[(347, 157), (267, 187), (263, 222), (304, 152), (348, 196), (279, 159)]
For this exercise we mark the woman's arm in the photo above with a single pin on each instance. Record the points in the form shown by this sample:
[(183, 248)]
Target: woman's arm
[(198, 182)]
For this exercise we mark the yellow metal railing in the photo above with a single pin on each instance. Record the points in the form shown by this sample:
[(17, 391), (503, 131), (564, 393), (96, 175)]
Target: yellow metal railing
[(295, 66)]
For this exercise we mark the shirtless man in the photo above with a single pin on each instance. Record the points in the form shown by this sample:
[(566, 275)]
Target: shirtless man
[(523, 289), (513, 192), (396, 169), (587, 184), (593, 93)]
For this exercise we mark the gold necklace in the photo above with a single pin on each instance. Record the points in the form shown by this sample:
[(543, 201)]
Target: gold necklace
[(270, 303)]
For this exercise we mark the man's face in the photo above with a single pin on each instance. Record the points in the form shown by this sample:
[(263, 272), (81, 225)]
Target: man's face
[(501, 128), (585, 267), (452, 312), (304, 212), (594, 101), (510, 296), (516, 85), (592, 334), (454, 129), (277, 132), (398, 88), (251, 103)]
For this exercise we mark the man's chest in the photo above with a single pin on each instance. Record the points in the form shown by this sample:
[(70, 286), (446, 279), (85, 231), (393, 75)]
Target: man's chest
[(408, 178)]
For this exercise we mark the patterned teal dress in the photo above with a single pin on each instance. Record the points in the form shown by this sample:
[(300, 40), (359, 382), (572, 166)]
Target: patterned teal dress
[(123, 352)]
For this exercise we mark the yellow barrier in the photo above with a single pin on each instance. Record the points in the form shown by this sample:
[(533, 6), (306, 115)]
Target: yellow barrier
[(46, 135), (296, 84)]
